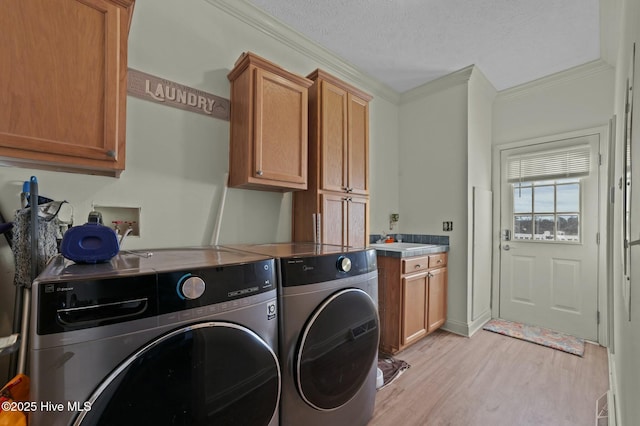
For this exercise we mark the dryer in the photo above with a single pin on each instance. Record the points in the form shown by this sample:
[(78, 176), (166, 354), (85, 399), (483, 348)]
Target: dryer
[(329, 332), (183, 337)]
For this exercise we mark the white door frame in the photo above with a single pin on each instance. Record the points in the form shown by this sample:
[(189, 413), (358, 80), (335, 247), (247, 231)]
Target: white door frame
[(603, 184)]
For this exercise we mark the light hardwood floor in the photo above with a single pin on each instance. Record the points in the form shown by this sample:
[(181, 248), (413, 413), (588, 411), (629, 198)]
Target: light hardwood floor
[(492, 380)]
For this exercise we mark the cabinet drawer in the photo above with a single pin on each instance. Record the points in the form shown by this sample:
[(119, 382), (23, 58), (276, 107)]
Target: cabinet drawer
[(437, 260), (415, 264)]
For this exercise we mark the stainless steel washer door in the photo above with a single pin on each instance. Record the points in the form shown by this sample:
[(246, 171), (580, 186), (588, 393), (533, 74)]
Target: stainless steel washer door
[(338, 345), (202, 374)]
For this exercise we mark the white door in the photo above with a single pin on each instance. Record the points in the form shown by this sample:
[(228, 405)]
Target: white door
[(549, 230)]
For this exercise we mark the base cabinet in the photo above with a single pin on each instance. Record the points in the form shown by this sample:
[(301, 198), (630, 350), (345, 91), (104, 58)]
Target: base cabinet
[(412, 299), (344, 219)]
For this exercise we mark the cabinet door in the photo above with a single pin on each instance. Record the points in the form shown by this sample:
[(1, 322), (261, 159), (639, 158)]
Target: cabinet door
[(358, 145), (414, 307), (333, 218), (333, 138), (63, 82), (357, 221), (280, 140), (437, 298)]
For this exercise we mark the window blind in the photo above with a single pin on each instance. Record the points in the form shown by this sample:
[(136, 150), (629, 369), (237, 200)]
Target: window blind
[(569, 162)]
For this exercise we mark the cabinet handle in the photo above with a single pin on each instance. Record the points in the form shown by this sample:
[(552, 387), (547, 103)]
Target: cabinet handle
[(111, 153), (429, 274), (418, 266), (439, 261), (259, 173)]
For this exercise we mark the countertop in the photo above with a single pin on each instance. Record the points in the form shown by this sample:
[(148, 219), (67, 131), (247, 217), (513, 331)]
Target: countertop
[(408, 249)]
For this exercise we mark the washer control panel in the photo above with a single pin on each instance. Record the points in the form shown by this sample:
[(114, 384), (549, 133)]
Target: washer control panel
[(199, 287), (191, 287)]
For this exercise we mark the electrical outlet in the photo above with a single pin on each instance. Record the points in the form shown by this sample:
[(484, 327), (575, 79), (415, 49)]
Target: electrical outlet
[(121, 219), (447, 226), (395, 217)]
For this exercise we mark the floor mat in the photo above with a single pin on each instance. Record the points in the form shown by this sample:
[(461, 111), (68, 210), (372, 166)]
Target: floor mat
[(541, 336), (391, 369)]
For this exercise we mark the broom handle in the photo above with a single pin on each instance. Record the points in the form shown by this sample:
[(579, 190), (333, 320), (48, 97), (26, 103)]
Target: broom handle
[(34, 227), (26, 291)]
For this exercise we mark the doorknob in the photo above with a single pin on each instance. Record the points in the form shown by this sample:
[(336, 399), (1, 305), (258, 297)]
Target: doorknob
[(506, 247)]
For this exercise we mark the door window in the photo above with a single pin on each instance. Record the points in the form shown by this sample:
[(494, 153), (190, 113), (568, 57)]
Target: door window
[(547, 210)]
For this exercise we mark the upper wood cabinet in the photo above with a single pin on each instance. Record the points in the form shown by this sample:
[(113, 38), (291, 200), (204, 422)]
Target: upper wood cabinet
[(269, 131), (340, 125), (63, 68), (338, 164)]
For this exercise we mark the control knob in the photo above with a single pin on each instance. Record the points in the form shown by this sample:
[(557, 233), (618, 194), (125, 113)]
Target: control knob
[(192, 287), (344, 264)]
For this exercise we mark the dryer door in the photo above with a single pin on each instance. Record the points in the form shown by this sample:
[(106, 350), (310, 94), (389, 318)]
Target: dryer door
[(203, 374), (339, 345)]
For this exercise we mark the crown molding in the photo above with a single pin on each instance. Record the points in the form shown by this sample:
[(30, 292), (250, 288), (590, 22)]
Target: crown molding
[(581, 71), (251, 15), (450, 80)]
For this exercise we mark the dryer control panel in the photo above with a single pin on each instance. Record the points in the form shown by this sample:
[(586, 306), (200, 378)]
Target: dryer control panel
[(304, 270)]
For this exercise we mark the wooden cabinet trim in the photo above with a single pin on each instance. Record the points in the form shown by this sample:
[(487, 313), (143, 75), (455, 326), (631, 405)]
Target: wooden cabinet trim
[(319, 74), (250, 58)]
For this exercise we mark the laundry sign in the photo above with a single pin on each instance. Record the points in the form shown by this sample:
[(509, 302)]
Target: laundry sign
[(155, 89)]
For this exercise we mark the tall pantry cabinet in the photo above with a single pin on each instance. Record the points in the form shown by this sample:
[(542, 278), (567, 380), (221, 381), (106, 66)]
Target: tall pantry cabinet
[(338, 165)]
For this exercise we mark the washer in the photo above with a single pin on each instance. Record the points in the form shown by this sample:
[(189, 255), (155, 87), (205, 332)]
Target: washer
[(329, 332), (183, 337)]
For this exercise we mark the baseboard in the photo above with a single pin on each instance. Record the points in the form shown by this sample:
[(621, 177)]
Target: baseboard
[(456, 327), (476, 325), (467, 329), (614, 410)]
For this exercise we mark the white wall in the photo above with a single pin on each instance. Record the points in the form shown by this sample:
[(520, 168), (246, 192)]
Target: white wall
[(481, 97), (445, 151), (433, 179), (577, 99), (626, 358), (384, 154), (176, 160)]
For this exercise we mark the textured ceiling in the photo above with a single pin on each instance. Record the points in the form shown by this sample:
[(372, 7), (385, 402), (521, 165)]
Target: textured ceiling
[(406, 43)]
